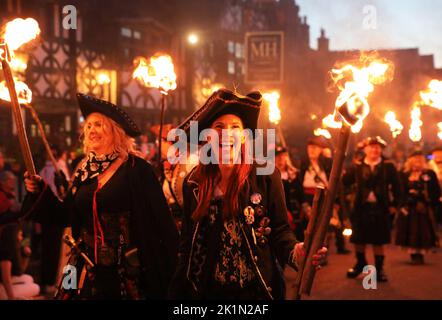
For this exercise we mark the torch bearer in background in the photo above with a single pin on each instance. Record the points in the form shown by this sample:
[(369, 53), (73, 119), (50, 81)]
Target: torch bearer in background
[(157, 73), (17, 33), (355, 83)]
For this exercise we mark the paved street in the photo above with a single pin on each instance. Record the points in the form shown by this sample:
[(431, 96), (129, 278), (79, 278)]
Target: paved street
[(406, 281)]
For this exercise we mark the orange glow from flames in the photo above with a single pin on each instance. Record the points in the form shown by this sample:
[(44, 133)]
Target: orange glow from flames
[(24, 94), (355, 85), (20, 31), (157, 73), (432, 96), (439, 133), (18, 65), (322, 132), (395, 126), (330, 121), (415, 133), (272, 98)]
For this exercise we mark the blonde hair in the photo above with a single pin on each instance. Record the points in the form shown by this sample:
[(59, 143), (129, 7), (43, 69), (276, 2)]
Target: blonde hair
[(121, 142), (408, 164)]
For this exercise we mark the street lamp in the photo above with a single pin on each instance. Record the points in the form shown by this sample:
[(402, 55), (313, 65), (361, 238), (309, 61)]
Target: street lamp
[(104, 80), (193, 38)]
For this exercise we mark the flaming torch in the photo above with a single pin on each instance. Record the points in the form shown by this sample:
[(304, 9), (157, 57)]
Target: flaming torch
[(355, 83), (395, 126), (272, 99), (432, 96), (415, 132), (17, 33), (157, 73), (322, 132)]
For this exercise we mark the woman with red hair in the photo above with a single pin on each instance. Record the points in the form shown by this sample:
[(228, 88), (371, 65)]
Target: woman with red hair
[(235, 238)]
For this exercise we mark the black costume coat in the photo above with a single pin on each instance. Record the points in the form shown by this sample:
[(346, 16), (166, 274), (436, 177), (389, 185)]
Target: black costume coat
[(371, 223), (266, 259), (155, 235), (417, 227)]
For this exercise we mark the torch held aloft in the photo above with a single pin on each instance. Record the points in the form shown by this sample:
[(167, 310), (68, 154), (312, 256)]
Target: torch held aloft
[(21, 131)]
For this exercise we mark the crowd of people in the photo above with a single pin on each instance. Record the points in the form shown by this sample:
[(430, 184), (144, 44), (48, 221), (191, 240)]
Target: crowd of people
[(140, 228)]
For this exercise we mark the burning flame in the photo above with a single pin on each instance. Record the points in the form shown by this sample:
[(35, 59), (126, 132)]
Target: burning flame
[(439, 126), (24, 94), (20, 31), (347, 232), (272, 99), (395, 126), (355, 85), (331, 122), (157, 73), (207, 91), (103, 78), (18, 65), (415, 133), (322, 132), (432, 96)]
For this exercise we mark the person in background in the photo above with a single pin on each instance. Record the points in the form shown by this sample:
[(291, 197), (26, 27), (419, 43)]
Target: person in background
[(398, 157), (377, 195), (436, 165), (416, 225), (315, 169), (173, 175), (14, 255), (50, 235), (294, 194)]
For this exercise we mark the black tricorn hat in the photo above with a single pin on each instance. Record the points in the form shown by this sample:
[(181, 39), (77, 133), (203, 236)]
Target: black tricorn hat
[(223, 102), (374, 140), (89, 104)]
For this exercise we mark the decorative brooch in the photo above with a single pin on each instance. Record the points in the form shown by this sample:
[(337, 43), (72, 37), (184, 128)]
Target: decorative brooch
[(249, 214)]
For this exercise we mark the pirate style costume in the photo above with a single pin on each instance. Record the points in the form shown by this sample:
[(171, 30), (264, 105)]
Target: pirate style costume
[(172, 177), (416, 225), (239, 258), (376, 189), (124, 238)]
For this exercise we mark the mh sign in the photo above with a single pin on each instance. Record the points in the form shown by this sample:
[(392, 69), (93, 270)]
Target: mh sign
[(264, 57)]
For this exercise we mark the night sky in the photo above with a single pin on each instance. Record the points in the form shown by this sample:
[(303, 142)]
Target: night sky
[(400, 24)]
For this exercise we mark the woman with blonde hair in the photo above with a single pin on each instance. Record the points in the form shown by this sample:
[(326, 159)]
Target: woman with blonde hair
[(416, 224), (119, 216)]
